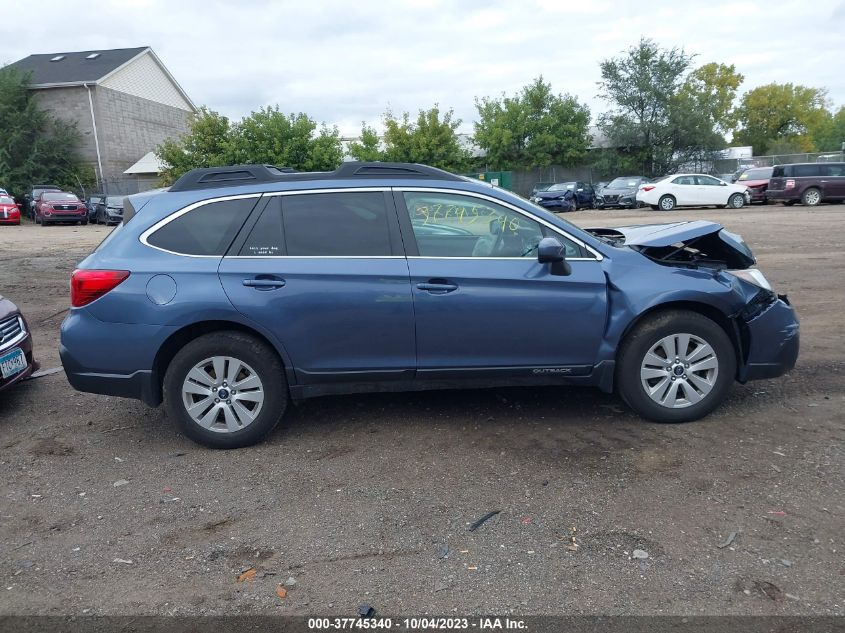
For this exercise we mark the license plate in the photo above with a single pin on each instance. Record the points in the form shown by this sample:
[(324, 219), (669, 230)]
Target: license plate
[(12, 363)]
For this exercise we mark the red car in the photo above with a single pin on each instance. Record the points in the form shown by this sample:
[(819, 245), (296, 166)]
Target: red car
[(757, 181), (58, 206), (16, 361), (10, 213)]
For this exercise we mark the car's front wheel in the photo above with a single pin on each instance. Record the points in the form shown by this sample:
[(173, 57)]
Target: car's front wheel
[(675, 367), (226, 389), (736, 201)]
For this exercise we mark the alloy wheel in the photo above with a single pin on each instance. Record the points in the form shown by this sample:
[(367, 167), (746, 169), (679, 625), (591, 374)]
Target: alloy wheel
[(223, 394), (679, 371)]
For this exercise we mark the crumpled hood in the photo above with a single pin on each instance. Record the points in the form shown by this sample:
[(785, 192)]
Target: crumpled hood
[(698, 241)]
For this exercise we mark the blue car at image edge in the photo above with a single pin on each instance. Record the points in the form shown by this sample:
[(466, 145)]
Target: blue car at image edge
[(240, 289)]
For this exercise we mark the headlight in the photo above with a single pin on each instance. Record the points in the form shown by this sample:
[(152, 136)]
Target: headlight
[(752, 276)]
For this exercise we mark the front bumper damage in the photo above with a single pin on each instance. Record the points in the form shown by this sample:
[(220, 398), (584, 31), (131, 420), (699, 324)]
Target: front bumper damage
[(770, 342)]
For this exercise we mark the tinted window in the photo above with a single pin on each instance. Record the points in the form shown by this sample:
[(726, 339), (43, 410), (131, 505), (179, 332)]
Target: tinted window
[(451, 225), (708, 180), (266, 239), (778, 172), (805, 171), (836, 169), (206, 230), (336, 224)]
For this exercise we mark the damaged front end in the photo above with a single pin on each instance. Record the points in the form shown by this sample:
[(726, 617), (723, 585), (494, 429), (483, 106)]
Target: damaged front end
[(765, 326), (690, 244)]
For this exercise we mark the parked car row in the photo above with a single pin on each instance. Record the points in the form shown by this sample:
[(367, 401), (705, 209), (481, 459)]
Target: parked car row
[(48, 204), (807, 183)]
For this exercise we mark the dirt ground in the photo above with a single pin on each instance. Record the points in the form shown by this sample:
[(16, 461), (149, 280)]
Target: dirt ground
[(106, 509)]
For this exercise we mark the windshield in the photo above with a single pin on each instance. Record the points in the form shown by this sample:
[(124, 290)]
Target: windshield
[(562, 186), (624, 183), (59, 196), (762, 173), (114, 201), (6, 200)]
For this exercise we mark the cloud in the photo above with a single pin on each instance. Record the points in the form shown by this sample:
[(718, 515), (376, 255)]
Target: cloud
[(344, 63)]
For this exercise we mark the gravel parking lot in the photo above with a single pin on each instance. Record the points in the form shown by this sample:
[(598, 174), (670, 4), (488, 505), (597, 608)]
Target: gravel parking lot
[(105, 509)]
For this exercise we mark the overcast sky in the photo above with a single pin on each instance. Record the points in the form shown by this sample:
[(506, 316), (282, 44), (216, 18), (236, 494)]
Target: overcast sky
[(344, 62)]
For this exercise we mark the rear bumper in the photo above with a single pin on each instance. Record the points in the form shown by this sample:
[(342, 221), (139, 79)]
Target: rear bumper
[(773, 342), (113, 359), (782, 194)]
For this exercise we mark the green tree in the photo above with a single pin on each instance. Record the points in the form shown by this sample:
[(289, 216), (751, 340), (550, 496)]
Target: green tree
[(829, 135), (366, 149), (534, 128), (207, 144), (430, 140), (782, 114), (642, 86), (36, 147), (265, 137)]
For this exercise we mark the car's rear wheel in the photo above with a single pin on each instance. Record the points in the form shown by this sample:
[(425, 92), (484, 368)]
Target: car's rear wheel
[(226, 389), (736, 201), (667, 203), (811, 197), (675, 367)]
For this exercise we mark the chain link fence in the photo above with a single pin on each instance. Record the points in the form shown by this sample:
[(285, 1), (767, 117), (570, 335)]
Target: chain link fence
[(733, 165)]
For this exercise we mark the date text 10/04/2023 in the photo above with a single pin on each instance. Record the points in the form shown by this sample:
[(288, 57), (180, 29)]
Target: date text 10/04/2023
[(430, 214), (418, 624)]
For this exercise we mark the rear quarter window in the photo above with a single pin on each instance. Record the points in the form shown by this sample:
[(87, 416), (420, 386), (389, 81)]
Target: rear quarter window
[(205, 230), (806, 171)]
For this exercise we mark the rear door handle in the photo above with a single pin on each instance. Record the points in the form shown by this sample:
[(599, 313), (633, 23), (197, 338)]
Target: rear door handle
[(440, 287), (264, 284)]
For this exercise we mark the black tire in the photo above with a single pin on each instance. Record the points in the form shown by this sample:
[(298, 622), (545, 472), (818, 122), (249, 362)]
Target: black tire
[(736, 201), (811, 197), (647, 334), (84, 222), (44, 223), (654, 207), (667, 203), (247, 349), (788, 203)]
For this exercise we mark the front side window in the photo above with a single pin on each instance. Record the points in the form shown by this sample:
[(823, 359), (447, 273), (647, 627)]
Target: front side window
[(453, 225), (206, 230)]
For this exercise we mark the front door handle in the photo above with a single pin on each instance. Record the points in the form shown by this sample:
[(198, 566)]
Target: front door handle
[(437, 286), (264, 284)]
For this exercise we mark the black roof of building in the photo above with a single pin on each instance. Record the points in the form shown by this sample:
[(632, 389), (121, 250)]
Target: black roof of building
[(74, 68)]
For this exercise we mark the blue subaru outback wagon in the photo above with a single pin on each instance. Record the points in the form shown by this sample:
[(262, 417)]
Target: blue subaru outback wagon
[(242, 288)]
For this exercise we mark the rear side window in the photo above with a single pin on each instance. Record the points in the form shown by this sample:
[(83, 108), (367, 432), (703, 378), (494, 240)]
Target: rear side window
[(836, 169), (336, 224), (806, 171), (205, 230), (778, 172)]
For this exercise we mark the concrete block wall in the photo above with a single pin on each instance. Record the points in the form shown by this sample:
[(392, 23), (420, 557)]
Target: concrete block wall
[(128, 127), (71, 105)]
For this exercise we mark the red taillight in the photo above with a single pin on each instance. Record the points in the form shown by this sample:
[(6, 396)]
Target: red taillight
[(648, 187), (790, 184), (89, 285)]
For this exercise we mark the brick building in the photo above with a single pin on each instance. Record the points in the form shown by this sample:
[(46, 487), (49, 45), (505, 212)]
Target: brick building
[(124, 102)]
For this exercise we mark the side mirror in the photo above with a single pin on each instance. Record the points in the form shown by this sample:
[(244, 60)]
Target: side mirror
[(551, 251), (724, 184)]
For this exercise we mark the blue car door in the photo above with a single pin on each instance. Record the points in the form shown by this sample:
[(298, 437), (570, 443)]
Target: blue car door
[(483, 303), (325, 273)]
